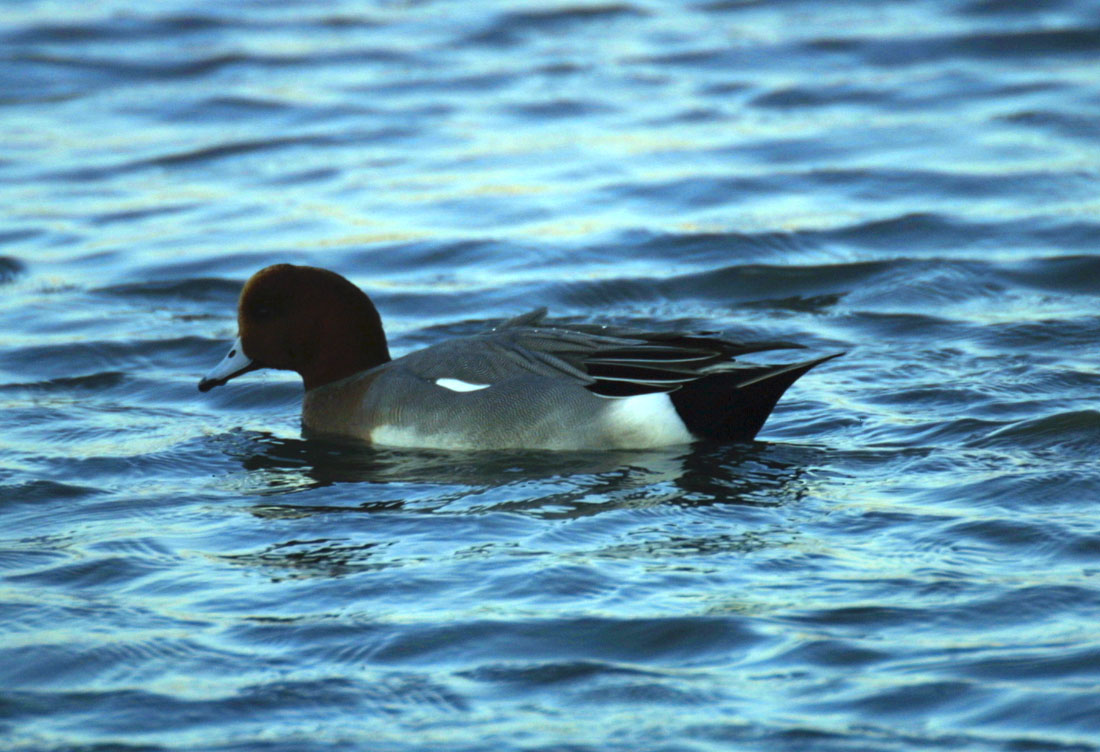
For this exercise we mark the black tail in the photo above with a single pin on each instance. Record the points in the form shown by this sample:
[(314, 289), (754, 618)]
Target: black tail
[(733, 405)]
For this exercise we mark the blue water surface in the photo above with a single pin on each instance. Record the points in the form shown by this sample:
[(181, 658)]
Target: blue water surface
[(907, 559)]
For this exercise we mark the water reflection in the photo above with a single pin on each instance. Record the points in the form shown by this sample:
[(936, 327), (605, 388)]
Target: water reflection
[(579, 506), (548, 484)]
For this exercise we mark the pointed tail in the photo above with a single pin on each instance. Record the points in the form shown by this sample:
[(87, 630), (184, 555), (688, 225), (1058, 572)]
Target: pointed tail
[(733, 405)]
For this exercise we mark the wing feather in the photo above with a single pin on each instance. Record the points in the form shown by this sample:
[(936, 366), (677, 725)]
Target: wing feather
[(610, 361)]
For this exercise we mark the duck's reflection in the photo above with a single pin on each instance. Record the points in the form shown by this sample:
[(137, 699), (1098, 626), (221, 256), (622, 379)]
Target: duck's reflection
[(305, 480), (550, 484)]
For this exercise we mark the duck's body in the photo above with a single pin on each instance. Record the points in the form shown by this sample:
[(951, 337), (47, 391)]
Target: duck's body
[(525, 384)]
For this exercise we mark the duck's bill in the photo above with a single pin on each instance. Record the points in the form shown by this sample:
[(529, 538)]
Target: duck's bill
[(231, 366)]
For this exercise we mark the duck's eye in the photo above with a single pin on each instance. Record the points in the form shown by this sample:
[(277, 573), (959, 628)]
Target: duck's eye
[(262, 310)]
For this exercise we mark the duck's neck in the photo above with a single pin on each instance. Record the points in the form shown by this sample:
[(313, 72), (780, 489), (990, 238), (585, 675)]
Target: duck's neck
[(344, 345)]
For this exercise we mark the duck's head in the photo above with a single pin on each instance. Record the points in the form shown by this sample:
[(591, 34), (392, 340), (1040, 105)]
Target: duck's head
[(304, 319)]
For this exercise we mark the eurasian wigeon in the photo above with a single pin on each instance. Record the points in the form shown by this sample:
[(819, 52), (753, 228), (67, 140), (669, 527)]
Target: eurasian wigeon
[(527, 383)]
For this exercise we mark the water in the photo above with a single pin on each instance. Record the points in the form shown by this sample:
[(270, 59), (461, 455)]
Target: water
[(908, 559)]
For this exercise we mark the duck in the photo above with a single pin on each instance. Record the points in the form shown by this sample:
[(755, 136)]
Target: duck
[(527, 383)]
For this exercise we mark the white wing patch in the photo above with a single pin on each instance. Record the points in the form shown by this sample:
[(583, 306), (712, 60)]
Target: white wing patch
[(458, 385)]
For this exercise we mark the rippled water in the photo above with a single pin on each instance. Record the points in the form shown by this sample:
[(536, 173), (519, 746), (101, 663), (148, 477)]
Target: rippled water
[(909, 559)]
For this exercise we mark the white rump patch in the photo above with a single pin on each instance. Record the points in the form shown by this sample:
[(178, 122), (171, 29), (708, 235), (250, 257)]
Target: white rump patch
[(646, 420), (458, 385)]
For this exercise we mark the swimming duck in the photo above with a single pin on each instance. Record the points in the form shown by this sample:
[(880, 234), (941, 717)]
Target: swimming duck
[(527, 383)]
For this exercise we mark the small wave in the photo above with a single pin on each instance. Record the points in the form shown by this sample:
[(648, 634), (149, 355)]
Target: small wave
[(251, 110), (760, 286), (550, 674), (918, 233), (992, 46), (471, 83), (1067, 274), (194, 289), (1024, 8), (1078, 430), (11, 268), (1039, 334), (822, 96), (124, 71), (706, 248), (138, 712), (57, 361), (205, 154), (139, 215), (1062, 124), (512, 28), (541, 110), (93, 382), (202, 156), (120, 28), (44, 491), (170, 27), (104, 572), (16, 235), (861, 185), (642, 640), (38, 76), (324, 558)]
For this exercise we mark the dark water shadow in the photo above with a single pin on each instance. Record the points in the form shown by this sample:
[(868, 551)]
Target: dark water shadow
[(11, 268), (543, 483), (348, 504)]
